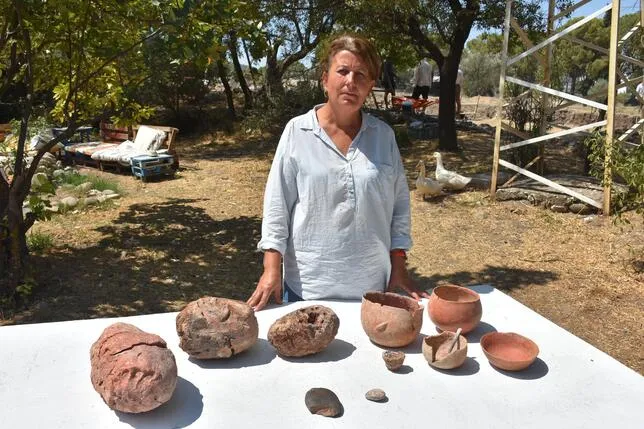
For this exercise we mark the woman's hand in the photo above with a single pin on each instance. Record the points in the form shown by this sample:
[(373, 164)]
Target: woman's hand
[(399, 278), (270, 283)]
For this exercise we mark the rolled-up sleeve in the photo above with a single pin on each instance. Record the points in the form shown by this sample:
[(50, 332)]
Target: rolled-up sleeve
[(401, 220), (280, 195)]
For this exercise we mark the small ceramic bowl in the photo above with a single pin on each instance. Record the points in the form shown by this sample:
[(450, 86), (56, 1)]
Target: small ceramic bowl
[(436, 350), (509, 351), (393, 359)]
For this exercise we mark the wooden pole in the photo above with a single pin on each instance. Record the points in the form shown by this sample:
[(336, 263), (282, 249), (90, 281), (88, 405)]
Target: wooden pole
[(610, 114), (547, 73), (499, 108)]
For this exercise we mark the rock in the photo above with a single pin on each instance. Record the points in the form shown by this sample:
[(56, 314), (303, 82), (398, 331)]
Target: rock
[(90, 201), (38, 180), (393, 359), (581, 209), (58, 173), (108, 192), (132, 370), (84, 187), (111, 196), (376, 395), (215, 328), (323, 402), (558, 208), (302, 332), (69, 202)]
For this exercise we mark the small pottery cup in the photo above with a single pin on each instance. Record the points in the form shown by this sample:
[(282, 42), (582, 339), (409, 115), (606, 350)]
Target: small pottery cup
[(393, 359), (509, 351), (436, 350), (389, 319), (452, 307)]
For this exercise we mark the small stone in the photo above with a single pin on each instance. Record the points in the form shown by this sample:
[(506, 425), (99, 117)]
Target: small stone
[(581, 209), (376, 395), (393, 360), (323, 402), (558, 208)]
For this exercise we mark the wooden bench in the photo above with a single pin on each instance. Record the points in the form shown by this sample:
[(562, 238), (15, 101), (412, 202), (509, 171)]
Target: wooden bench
[(111, 137)]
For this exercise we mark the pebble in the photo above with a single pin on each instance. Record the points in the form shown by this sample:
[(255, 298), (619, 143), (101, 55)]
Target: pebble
[(376, 395), (323, 402)]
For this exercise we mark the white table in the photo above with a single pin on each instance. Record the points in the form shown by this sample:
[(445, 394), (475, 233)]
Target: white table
[(45, 383)]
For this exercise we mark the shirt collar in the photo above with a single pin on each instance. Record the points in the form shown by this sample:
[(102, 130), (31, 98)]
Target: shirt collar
[(311, 120)]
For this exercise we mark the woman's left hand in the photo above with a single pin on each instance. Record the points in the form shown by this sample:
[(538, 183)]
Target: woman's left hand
[(399, 279)]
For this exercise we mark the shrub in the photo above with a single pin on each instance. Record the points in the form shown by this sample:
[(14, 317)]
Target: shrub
[(626, 164), (39, 242)]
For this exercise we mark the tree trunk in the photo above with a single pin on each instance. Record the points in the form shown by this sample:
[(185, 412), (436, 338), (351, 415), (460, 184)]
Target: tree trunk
[(447, 107), (274, 85), (248, 95), (221, 72)]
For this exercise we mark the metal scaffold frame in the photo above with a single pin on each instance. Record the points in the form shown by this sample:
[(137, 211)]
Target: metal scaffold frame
[(544, 88)]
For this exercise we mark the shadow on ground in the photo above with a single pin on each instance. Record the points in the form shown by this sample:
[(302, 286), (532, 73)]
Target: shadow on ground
[(154, 258), (503, 278)]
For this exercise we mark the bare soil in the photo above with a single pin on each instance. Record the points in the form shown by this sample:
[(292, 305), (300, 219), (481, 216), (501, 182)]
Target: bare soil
[(168, 242)]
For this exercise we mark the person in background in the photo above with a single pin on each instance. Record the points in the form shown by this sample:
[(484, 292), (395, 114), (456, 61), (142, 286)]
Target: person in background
[(422, 79), (459, 85), (388, 81), (336, 203)]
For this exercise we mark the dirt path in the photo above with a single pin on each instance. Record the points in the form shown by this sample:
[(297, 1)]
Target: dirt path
[(169, 242)]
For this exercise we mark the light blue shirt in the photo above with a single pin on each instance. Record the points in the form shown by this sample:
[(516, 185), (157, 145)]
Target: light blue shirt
[(334, 218)]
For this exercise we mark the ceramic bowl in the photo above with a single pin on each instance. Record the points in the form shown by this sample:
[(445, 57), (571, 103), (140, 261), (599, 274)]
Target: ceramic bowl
[(436, 350), (509, 351), (452, 307), (393, 359), (389, 319)]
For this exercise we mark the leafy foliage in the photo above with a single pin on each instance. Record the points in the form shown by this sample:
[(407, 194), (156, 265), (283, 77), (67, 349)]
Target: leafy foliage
[(626, 165)]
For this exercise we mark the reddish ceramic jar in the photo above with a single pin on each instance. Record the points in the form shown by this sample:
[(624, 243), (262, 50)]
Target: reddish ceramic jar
[(389, 319), (452, 307)]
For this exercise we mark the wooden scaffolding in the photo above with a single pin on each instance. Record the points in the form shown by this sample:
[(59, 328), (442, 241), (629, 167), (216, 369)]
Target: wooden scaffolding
[(545, 91)]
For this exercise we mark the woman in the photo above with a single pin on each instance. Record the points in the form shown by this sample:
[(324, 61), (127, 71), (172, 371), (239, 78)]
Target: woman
[(336, 204)]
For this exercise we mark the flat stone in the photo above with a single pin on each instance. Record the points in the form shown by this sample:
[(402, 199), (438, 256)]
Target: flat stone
[(376, 395), (323, 402), (302, 332)]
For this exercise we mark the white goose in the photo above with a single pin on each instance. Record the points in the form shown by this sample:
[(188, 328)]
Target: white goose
[(424, 185), (450, 179)]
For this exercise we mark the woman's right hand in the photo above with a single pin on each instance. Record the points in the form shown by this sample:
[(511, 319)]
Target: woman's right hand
[(270, 283)]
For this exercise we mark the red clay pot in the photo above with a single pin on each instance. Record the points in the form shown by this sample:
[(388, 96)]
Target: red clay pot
[(389, 319), (509, 351), (452, 307)]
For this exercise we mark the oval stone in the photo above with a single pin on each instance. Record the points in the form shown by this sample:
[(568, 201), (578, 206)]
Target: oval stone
[(302, 332), (376, 395), (323, 402), (215, 328)]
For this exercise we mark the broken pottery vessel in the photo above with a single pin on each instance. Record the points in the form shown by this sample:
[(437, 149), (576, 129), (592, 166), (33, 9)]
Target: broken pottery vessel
[(132, 370), (393, 359), (436, 350), (215, 328), (452, 307), (302, 332), (389, 319), (509, 351)]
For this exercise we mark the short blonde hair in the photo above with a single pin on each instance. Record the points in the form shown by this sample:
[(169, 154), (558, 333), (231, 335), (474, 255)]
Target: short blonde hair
[(358, 46)]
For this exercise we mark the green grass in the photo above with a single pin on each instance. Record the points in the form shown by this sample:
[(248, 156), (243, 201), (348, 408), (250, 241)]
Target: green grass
[(39, 242), (99, 183)]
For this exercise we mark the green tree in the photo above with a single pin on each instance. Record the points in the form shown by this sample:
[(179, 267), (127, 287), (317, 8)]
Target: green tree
[(87, 54)]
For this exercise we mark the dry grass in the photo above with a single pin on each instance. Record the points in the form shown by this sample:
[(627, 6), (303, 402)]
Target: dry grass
[(169, 242)]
